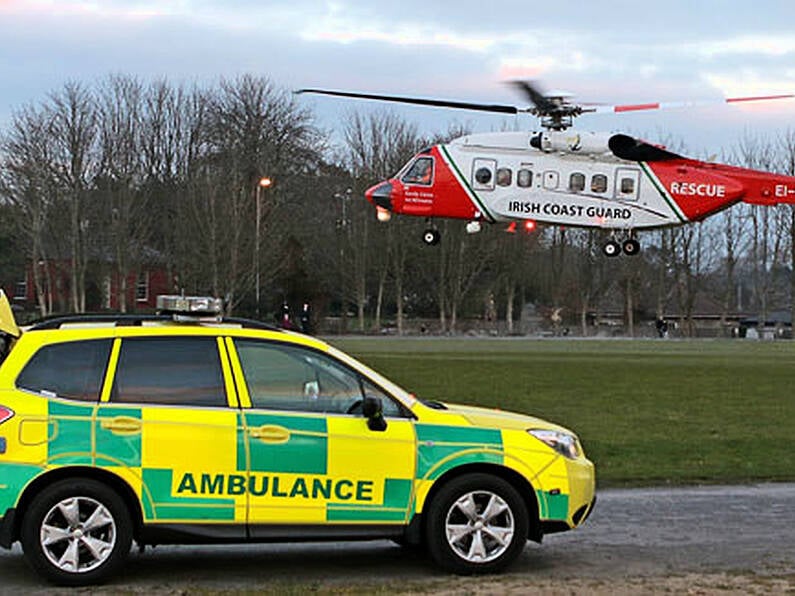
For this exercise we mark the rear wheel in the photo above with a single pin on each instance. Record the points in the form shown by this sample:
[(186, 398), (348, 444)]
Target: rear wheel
[(477, 523), (631, 247), (76, 532)]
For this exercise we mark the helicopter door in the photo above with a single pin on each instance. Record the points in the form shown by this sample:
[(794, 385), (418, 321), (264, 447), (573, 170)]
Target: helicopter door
[(627, 183), (483, 174)]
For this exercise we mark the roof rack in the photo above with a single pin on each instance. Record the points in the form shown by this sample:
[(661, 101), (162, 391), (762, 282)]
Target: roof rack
[(134, 320)]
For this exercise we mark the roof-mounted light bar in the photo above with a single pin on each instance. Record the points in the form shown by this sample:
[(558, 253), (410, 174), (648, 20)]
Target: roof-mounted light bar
[(192, 306)]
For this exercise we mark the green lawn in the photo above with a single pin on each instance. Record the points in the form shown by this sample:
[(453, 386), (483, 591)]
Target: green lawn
[(648, 412)]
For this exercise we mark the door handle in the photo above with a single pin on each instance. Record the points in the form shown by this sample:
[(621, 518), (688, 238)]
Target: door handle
[(270, 433), (121, 425)]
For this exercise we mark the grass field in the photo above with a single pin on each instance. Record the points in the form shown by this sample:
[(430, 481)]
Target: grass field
[(648, 412)]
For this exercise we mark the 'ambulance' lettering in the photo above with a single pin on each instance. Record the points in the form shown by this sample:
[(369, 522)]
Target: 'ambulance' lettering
[(262, 485)]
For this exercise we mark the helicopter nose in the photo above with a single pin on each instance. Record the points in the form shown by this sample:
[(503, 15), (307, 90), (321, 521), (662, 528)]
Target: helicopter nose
[(380, 195)]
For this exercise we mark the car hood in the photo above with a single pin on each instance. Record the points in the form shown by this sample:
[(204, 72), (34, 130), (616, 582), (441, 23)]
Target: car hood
[(490, 418)]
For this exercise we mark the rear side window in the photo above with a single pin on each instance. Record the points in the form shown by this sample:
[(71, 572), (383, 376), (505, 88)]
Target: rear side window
[(182, 371), (72, 370)]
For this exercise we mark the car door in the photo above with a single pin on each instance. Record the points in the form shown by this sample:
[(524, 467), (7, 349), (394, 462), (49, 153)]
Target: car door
[(168, 423), (312, 458)]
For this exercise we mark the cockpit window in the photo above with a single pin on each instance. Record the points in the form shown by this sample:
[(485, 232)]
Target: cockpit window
[(420, 172)]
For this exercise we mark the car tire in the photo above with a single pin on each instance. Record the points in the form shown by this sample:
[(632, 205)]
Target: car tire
[(476, 523), (76, 532)]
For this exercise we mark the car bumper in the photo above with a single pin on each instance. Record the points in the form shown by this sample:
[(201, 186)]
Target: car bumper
[(582, 490)]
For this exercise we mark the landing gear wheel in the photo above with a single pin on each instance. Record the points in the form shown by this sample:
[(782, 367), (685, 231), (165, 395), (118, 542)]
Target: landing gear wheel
[(611, 248), (476, 523), (631, 247), (431, 237), (76, 532)]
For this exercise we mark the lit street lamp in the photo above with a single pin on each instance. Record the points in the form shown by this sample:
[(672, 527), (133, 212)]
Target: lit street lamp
[(264, 182)]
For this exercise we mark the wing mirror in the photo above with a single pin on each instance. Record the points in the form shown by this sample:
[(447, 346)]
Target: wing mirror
[(373, 410)]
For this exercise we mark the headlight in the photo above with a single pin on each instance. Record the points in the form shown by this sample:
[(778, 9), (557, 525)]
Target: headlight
[(563, 443)]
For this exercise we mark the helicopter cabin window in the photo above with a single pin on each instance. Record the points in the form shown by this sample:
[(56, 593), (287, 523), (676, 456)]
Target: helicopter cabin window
[(577, 182), (551, 180), (524, 178), (504, 176), (627, 186), (627, 183), (599, 183), (420, 172), (483, 174)]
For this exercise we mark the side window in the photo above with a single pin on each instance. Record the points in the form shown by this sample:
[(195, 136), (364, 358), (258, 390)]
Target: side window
[(390, 407), (504, 176), (281, 377), (577, 182), (183, 371), (524, 178), (73, 370), (420, 172), (284, 377), (599, 183)]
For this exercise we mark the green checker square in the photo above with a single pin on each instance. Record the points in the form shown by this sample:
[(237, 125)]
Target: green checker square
[(306, 452), (115, 449), (70, 433)]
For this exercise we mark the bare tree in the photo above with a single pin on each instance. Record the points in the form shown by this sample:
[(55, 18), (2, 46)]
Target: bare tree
[(27, 182), (73, 133), (377, 146)]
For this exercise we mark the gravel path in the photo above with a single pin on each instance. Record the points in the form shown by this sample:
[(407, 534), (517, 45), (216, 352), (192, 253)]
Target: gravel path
[(704, 540)]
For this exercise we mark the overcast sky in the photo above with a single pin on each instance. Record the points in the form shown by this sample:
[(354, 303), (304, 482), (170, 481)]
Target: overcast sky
[(612, 51)]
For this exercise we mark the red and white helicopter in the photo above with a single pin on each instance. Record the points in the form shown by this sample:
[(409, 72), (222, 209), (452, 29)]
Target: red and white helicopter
[(565, 177)]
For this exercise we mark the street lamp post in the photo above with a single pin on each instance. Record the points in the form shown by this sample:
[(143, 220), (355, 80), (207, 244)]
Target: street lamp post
[(264, 182)]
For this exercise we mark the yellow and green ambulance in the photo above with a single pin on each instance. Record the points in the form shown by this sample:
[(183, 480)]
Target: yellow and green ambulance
[(186, 427)]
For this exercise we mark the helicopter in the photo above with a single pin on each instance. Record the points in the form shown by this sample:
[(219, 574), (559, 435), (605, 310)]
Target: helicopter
[(562, 176)]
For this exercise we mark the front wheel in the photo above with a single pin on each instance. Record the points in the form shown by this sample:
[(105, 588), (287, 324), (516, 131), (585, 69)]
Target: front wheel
[(477, 523), (76, 532)]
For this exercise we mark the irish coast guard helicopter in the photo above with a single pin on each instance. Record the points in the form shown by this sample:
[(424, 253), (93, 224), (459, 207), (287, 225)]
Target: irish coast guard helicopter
[(565, 177)]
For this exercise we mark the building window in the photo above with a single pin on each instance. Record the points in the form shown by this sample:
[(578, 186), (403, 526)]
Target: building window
[(106, 291), (577, 182), (142, 287), (524, 178), (21, 290)]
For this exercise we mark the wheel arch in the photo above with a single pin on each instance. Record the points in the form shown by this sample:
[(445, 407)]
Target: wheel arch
[(512, 477), (116, 483)]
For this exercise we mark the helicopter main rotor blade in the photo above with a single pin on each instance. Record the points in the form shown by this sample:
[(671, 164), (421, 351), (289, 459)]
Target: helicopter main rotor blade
[(442, 103), (534, 94), (680, 104)]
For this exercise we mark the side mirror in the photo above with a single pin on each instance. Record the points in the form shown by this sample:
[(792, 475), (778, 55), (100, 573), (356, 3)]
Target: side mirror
[(373, 410)]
